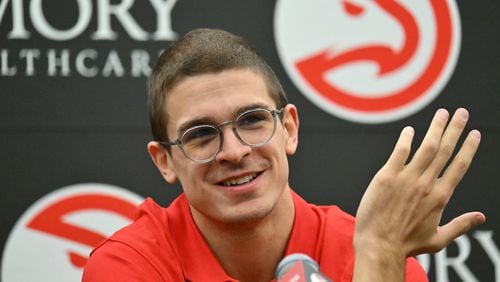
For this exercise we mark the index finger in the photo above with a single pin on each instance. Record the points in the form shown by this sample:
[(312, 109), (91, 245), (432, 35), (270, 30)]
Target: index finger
[(402, 149)]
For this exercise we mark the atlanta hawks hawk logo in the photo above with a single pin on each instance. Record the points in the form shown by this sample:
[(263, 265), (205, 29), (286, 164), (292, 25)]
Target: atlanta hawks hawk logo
[(52, 239), (368, 61)]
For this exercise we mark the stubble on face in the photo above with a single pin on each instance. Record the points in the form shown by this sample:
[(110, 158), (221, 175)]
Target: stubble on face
[(202, 182)]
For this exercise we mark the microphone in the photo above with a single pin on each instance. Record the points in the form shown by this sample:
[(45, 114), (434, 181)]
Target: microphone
[(299, 268)]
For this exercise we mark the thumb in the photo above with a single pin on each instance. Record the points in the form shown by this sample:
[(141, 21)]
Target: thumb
[(457, 227)]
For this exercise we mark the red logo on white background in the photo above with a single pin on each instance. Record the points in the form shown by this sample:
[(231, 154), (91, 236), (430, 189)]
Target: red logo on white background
[(52, 239), (368, 61)]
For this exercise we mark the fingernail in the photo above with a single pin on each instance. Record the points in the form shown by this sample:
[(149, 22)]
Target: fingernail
[(479, 219), (442, 113), (408, 130), (475, 134), (463, 114)]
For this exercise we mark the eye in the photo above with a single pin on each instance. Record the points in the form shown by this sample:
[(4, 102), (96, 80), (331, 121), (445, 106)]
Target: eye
[(254, 118), (199, 134), (352, 8)]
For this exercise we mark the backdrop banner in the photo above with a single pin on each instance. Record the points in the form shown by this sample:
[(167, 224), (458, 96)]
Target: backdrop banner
[(74, 125)]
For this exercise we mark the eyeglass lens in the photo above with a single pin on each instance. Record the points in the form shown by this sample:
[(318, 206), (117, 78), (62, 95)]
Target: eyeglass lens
[(253, 128)]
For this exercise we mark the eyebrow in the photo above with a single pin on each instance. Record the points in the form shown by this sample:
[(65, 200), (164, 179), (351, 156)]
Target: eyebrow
[(250, 107), (211, 121)]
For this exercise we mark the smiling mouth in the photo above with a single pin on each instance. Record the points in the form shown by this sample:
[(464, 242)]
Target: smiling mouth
[(240, 181)]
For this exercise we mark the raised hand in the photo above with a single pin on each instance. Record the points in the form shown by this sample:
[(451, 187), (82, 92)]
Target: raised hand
[(400, 212)]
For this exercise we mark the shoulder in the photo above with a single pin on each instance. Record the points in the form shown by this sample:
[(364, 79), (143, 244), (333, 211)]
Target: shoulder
[(414, 271), (141, 251), (117, 261)]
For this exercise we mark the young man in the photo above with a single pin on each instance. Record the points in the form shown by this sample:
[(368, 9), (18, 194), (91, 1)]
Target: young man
[(223, 128)]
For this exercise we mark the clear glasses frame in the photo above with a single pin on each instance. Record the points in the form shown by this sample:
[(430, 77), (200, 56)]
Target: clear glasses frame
[(218, 128)]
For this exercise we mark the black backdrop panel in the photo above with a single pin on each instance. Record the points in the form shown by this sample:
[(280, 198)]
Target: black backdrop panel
[(62, 129)]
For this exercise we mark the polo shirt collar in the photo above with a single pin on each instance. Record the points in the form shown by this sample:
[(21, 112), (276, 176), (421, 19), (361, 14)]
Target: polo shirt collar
[(199, 262), (307, 232), (197, 259)]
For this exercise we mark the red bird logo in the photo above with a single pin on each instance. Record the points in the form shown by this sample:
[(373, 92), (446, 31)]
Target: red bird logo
[(57, 232), (51, 220), (411, 45)]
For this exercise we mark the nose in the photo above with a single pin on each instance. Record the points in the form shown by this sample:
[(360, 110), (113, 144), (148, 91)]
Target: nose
[(233, 150)]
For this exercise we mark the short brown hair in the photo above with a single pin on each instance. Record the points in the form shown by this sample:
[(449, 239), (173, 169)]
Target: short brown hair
[(198, 52)]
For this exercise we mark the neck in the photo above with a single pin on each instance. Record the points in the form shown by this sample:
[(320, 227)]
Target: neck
[(251, 251)]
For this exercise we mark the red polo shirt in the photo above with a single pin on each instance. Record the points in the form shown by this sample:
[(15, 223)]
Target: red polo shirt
[(164, 244)]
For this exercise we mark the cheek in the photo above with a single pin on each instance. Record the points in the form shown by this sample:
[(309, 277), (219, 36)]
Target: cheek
[(278, 151), (283, 166), (282, 151), (196, 193), (189, 177), (188, 173), (282, 143)]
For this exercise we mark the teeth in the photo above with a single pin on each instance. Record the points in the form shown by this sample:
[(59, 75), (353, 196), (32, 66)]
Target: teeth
[(240, 181)]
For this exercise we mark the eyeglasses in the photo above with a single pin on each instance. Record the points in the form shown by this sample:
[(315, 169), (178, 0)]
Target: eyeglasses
[(203, 142)]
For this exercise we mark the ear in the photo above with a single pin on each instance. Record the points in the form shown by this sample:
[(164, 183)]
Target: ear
[(291, 128), (163, 161)]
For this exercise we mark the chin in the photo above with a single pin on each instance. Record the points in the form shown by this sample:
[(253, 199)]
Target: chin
[(247, 214)]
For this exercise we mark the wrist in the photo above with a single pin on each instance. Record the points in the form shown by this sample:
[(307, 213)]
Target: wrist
[(373, 246), (379, 251), (378, 261)]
